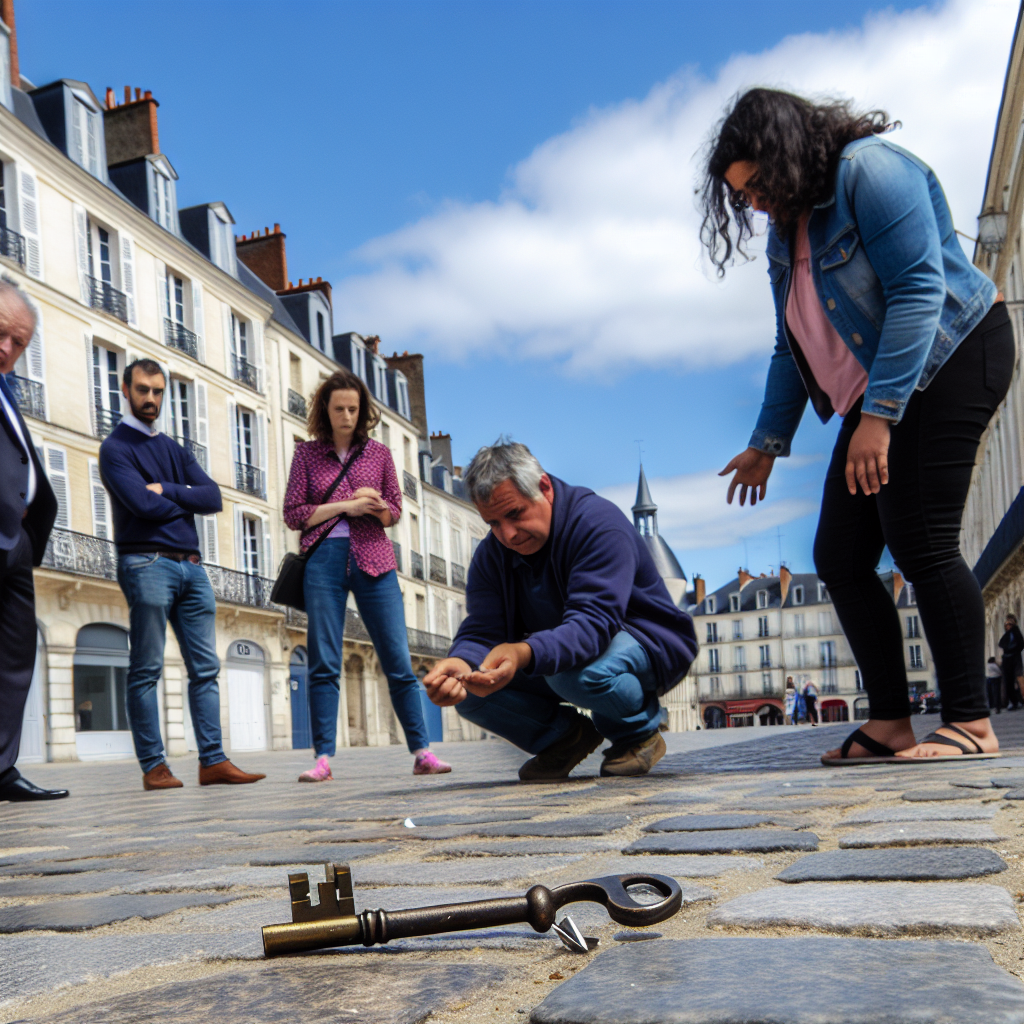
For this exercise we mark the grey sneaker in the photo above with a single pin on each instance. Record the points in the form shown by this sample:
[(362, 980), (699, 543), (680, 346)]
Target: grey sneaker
[(636, 760), (556, 761)]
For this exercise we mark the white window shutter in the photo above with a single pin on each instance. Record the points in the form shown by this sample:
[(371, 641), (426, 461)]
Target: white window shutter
[(57, 471), (239, 540), (164, 312), (257, 338), (233, 431), (198, 320), (261, 442), (82, 251), (93, 376), (202, 421), (229, 339), (208, 538), (164, 420), (100, 503), (128, 275), (29, 219), (78, 132), (267, 566)]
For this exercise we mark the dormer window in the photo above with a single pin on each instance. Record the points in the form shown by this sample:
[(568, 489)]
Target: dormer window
[(762, 599), (734, 602), (86, 131), (911, 596), (5, 67), (222, 239), (798, 595), (321, 332), (709, 605), (162, 199), (822, 592)]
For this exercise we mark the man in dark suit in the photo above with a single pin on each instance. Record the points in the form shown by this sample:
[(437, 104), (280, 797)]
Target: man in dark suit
[(27, 512)]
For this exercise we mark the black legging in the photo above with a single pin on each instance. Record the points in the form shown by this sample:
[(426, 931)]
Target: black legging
[(918, 514)]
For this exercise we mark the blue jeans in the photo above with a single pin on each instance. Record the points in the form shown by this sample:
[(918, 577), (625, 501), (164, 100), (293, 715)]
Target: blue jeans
[(379, 600), (157, 590), (617, 687)]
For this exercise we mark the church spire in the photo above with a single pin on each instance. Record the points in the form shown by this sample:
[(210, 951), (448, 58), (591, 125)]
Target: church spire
[(645, 512)]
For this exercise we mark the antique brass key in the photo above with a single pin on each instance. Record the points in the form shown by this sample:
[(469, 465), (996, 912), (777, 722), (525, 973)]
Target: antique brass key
[(334, 921)]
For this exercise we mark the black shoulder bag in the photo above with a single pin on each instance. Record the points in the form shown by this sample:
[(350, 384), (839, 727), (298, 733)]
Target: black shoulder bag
[(288, 587)]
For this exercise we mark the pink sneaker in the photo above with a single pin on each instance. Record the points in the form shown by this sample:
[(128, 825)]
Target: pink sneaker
[(427, 763), (320, 772)]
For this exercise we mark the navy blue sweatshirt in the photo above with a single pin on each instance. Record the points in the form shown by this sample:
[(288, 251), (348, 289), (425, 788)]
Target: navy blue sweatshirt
[(605, 581), (143, 519)]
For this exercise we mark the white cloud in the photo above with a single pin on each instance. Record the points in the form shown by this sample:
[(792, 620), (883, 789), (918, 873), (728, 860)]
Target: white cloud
[(693, 514), (591, 258)]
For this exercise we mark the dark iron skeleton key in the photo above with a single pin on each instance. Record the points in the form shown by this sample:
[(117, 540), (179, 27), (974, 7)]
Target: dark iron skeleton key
[(334, 921)]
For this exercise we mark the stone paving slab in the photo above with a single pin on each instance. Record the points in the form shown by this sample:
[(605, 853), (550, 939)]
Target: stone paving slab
[(682, 866), (1011, 780), (908, 864), (462, 871), (947, 812), (523, 847), (949, 793), (582, 825), (913, 833), (299, 993), (313, 853), (93, 911), (69, 885), (754, 840), (752, 981), (890, 908), (1013, 794), (711, 822), (799, 803)]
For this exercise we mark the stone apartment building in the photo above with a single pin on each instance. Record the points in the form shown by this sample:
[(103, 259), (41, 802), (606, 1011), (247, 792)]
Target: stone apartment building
[(90, 229), (755, 631)]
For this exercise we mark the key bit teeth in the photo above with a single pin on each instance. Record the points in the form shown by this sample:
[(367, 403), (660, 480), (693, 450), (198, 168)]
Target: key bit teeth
[(572, 938)]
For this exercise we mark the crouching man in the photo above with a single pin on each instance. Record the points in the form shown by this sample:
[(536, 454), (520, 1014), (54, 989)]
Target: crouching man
[(564, 606)]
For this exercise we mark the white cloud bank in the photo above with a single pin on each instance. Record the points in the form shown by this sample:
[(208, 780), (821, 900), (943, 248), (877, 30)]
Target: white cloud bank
[(591, 258)]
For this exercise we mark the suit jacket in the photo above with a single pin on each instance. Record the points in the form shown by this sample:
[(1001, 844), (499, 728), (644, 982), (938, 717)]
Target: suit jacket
[(38, 520)]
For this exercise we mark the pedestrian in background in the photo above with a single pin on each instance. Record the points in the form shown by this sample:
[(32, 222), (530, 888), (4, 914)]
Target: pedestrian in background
[(343, 488), (789, 702), (1012, 644), (28, 509), (881, 318), (994, 681), (156, 490), (811, 701)]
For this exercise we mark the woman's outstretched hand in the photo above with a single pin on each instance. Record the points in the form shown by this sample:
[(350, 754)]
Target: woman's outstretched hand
[(752, 468), (867, 458)]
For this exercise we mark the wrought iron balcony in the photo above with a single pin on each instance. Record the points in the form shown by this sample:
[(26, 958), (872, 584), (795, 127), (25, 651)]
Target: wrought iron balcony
[(197, 451), (29, 394), (438, 570), (398, 553), (180, 337), (417, 565), (296, 404), (245, 372), (250, 479), (103, 295), (12, 245), (428, 643), (409, 485), (458, 576), (106, 421), (236, 587)]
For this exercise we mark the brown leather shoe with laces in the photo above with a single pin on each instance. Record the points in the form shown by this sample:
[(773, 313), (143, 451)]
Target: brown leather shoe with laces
[(160, 777), (225, 773), (555, 762)]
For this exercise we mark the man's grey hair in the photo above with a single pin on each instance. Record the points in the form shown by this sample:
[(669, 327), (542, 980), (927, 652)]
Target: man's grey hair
[(10, 290), (504, 460)]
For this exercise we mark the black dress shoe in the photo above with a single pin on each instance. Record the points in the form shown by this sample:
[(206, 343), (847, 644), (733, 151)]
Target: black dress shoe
[(22, 789)]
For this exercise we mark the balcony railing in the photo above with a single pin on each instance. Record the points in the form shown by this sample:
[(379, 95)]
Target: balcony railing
[(12, 245), (398, 553), (106, 420), (458, 576), (180, 337), (197, 451), (249, 479), (753, 690), (438, 570), (244, 371), (103, 295), (296, 404), (29, 394), (409, 485), (428, 643), (416, 567)]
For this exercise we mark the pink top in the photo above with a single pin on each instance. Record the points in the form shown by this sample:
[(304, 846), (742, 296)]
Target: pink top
[(834, 366), (314, 467), (341, 529)]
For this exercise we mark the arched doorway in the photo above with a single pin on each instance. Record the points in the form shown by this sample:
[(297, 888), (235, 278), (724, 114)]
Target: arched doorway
[(100, 678), (861, 709), (714, 717), (355, 702), (770, 714), (834, 711), (246, 701), (431, 712), (298, 677)]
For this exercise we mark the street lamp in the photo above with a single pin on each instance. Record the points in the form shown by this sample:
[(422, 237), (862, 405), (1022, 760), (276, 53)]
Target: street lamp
[(992, 230)]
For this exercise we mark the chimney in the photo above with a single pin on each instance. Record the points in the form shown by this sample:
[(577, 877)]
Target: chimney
[(373, 343), (7, 16), (897, 587), (264, 255), (319, 285), (441, 448), (744, 577), (412, 367), (785, 578), (130, 128), (699, 590)]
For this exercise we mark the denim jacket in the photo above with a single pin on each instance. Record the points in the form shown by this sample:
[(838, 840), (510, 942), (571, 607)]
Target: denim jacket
[(893, 280)]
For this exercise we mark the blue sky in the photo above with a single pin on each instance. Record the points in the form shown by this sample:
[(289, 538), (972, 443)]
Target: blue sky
[(507, 188)]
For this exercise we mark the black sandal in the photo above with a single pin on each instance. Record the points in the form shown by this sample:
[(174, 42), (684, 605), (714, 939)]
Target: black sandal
[(946, 741), (881, 754)]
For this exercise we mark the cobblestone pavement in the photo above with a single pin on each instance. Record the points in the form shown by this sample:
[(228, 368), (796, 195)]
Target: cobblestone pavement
[(873, 895)]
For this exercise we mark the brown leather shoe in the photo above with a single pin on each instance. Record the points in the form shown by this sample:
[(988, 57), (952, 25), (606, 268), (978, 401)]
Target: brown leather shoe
[(160, 777), (636, 760), (225, 773)]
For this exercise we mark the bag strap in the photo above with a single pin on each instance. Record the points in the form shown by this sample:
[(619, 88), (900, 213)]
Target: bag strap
[(330, 490)]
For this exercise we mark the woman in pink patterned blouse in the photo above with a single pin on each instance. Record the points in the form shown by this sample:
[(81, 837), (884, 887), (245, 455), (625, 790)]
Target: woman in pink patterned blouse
[(356, 556)]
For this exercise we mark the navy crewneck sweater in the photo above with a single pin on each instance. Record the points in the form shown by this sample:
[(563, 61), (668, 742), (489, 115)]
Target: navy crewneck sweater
[(143, 519)]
